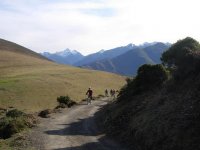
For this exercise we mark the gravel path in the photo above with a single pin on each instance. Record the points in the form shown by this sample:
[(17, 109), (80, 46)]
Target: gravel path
[(73, 129)]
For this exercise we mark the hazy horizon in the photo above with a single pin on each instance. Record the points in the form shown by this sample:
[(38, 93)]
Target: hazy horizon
[(104, 49), (91, 25)]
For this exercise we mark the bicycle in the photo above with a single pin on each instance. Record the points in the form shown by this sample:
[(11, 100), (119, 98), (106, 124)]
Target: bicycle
[(89, 99)]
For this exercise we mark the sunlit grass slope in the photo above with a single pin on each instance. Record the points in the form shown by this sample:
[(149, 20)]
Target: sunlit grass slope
[(31, 83)]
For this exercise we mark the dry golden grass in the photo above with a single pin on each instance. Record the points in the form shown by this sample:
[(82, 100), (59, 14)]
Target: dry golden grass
[(32, 84)]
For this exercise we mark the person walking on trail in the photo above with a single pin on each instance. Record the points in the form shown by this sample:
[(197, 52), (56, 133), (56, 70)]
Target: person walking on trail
[(89, 94), (106, 93), (111, 92)]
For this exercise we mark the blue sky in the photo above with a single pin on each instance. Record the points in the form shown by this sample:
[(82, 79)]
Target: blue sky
[(92, 25)]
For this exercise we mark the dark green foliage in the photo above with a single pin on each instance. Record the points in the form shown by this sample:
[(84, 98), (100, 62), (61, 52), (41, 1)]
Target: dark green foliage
[(14, 122), (14, 113), (164, 118), (176, 54), (148, 77), (66, 100), (182, 57)]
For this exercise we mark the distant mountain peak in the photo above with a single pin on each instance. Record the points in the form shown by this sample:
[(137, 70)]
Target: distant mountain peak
[(66, 56), (131, 45), (101, 51), (67, 52), (146, 44), (71, 51)]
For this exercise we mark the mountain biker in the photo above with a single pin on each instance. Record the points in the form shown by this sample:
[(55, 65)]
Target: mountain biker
[(89, 94)]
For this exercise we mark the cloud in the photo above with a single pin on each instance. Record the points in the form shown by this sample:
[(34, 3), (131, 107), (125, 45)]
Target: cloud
[(91, 25)]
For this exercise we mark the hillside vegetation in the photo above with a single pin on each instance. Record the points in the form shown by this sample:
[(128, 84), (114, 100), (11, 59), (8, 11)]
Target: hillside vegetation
[(160, 108), (30, 82)]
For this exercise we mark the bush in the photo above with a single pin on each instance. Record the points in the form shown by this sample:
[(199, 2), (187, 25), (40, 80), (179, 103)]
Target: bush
[(45, 113), (14, 122), (66, 100), (175, 55), (183, 58), (148, 77), (14, 113)]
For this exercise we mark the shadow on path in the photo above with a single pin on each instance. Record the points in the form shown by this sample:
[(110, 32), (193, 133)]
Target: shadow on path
[(86, 128), (102, 144)]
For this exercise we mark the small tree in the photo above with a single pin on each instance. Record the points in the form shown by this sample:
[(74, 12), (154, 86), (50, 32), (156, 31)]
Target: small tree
[(182, 57), (148, 77), (176, 54)]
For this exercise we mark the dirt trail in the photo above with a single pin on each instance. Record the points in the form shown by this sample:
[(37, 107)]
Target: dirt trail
[(73, 129)]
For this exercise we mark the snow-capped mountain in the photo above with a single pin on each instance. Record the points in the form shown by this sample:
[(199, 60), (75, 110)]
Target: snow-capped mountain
[(128, 62), (123, 60), (105, 54), (67, 52), (101, 51), (64, 57)]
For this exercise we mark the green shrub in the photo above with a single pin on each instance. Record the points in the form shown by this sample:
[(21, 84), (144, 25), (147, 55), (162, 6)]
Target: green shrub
[(183, 58), (175, 55), (148, 77), (14, 122), (66, 100), (14, 113)]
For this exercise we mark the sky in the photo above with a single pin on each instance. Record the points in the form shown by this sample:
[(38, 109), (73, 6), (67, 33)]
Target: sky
[(91, 25)]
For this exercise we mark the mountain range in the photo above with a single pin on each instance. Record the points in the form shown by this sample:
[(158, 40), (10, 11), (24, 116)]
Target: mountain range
[(128, 62), (64, 57), (124, 60), (104, 54)]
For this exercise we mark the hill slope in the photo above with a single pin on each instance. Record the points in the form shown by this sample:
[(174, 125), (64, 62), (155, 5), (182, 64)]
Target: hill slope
[(31, 82), (13, 47), (155, 111), (155, 51)]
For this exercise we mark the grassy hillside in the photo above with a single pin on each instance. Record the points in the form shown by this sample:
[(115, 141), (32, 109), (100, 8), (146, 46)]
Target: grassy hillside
[(153, 112), (13, 47), (30, 82)]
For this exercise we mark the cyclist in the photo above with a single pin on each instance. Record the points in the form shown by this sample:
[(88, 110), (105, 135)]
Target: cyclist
[(89, 94)]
